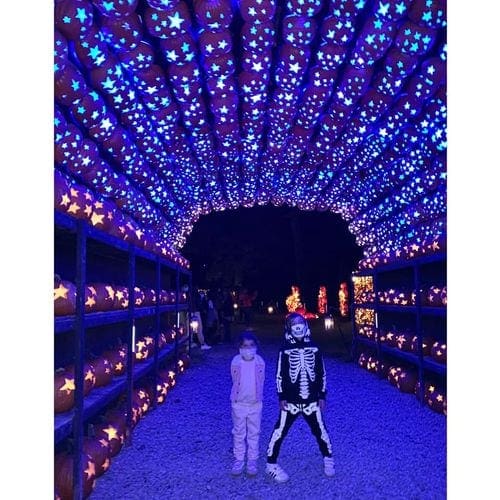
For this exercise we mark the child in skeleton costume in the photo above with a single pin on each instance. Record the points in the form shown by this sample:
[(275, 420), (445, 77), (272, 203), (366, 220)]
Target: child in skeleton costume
[(301, 385), (247, 373)]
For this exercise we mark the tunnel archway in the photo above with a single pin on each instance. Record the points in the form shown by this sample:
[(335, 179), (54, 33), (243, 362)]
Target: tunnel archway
[(168, 110)]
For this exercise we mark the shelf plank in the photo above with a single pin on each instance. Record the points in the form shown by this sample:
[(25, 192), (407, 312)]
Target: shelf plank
[(434, 366), (67, 323), (100, 397), (408, 356), (394, 266)]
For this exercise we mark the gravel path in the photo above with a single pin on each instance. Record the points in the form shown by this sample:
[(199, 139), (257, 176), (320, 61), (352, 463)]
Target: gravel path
[(386, 446)]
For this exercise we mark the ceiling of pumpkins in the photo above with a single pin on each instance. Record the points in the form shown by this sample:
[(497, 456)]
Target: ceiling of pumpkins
[(166, 110)]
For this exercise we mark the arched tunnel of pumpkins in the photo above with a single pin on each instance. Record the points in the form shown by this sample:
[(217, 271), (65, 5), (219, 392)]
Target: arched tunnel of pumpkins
[(220, 166)]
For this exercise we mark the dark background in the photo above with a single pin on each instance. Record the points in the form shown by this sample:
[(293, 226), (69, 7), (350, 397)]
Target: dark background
[(268, 249)]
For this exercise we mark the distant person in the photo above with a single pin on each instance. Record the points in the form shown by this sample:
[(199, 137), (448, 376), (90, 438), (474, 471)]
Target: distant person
[(247, 374), (227, 314), (212, 318), (246, 301), (196, 322), (301, 384)]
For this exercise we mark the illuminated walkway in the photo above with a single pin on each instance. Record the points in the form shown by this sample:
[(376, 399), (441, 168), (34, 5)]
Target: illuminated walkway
[(386, 446)]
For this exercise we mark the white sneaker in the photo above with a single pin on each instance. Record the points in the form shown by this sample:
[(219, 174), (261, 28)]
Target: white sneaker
[(237, 468), (252, 467), (328, 466), (277, 473), (205, 347)]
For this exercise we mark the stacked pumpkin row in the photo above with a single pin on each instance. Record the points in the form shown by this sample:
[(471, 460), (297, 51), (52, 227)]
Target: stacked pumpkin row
[(79, 202), (408, 252), (406, 380), (110, 433), (407, 342), (106, 297), (434, 296), (101, 370)]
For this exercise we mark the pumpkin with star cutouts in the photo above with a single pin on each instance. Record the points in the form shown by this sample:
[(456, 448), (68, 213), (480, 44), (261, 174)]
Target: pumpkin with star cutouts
[(63, 475), (393, 374), (64, 391), (111, 433), (363, 360), (117, 359), (104, 296), (64, 297), (407, 380), (98, 451), (103, 370), (438, 352)]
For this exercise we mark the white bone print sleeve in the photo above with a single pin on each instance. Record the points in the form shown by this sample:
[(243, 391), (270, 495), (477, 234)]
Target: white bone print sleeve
[(279, 378)]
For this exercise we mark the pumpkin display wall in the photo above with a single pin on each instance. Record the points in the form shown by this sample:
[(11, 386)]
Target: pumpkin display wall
[(63, 475)]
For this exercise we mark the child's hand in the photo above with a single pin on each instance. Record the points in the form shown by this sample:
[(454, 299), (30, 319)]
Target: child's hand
[(322, 405), (283, 405)]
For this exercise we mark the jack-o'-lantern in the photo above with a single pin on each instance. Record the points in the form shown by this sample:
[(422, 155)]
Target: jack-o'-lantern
[(103, 371), (104, 296), (112, 434), (164, 297), (139, 296), (167, 376), (433, 296), (170, 335), (382, 369), (64, 297), (407, 380), (149, 296), (161, 391), (102, 215), (186, 359), (121, 297), (393, 374), (371, 364), (118, 360), (63, 475), (98, 451), (391, 339), (142, 350), (64, 391), (428, 388), (142, 398), (90, 299), (438, 352), (403, 342), (162, 341), (437, 401), (426, 345), (363, 360), (88, 376), (444, 296)]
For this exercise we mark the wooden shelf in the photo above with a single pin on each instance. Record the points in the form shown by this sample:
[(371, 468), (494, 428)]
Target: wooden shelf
[(98, 398), (67, 323)]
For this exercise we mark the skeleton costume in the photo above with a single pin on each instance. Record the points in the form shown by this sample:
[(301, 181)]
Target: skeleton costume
[(301, 382)]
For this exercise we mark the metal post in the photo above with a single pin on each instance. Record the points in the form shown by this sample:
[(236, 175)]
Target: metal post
[(177, 322), (418, 304), (130, 342), (81, 264), (157, 328)]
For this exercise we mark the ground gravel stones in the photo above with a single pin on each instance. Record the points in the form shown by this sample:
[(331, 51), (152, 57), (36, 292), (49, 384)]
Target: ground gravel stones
[(386, 445)]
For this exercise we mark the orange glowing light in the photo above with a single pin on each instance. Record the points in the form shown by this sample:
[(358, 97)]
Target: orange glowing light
[(119, 366), (69, 385), (111, 292), (61, 292), (73, 192), (90, 302), (73, 208), (89, 375), (111, 432), (90, 470), (65, 200), (87, 210), (96, 219), (439, 398)]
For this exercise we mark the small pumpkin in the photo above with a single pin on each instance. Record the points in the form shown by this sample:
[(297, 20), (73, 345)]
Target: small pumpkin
[(363, 360), (64, 297), (104, 296), (407, 380), (112, 433), (118, 360), (393, 374), (64, 391), (103, 370), (438, 352), (98, 451), (121, 297)]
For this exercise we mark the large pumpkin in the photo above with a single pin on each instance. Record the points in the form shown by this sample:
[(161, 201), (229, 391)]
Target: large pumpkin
[(64, 297), (63, 475), (64, 391), (98, 451), (103, 371)]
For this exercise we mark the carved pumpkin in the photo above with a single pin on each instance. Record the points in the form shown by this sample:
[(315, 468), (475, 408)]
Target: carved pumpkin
[(438, 352), (433, 296), (103, 371), (403, 342), (407, 380), (121, 297), (149, 297), (371, 364), (426, 345), (437, 401), (118, 360), (64, 391), (363, 360), (142, 350), (90, 299), (64, 297), (98, 451), (63, 475), (391, 339), (428, 387), (104, 296), (139, 296), (88, 376), (186, 359), (111, 433), (142, 398), (167, 376), (393, 374), (382, 369), (444, 296)]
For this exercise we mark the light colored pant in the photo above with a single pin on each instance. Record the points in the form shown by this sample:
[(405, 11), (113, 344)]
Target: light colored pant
[(246, 424), (195, 315)]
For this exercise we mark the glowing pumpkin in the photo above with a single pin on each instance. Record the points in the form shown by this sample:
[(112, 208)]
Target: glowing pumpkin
[(63, 475), (382, 369), (64, 297), (90, 299), (112, 434), (142, 349), (98, 451), (393, 374), (121, 297), (371, 364), (103, 371), (88, 376), (104, 296), (426, 345), (407, 380), (64, 391), (149, 296), (167, 376), (118, 360), (438, 352), (403, 342), (363, 360), (437, 401), (142, 398), (139, 296)]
